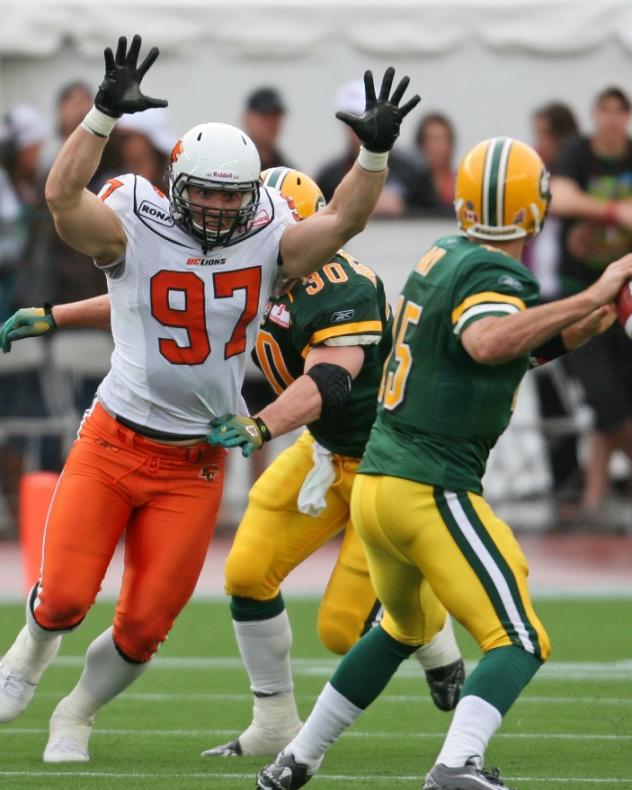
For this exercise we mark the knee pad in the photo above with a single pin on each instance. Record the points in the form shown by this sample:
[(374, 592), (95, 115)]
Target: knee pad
[(338, 629), (56, 614), (244, 576), (137, 639)]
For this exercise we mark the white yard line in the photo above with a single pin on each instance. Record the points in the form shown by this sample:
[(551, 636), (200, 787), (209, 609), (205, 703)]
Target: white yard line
[(560, 736), (323, 667), (323, 777), (132, 696)]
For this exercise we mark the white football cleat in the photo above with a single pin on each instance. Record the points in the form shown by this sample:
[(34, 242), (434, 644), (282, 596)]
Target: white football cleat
[(275, 722), (20, 672), (68, 737)]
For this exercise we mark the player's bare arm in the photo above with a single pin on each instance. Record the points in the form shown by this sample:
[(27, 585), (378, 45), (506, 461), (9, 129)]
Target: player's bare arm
[(494, 341), (568, 200), (81, 219), (93, 313), (324, 387), (36, 321), (310, 244), (303, 401)]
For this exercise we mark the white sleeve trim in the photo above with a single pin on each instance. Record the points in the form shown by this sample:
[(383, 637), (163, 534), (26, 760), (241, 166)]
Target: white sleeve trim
[(353, 340), (478, 309)]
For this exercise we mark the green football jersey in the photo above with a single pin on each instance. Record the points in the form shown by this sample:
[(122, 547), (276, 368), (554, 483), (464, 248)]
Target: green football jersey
[(343, 303), (440, 412)]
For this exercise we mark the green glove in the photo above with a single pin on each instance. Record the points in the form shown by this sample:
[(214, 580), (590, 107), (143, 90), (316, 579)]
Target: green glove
[(27, 322), (233, 430)]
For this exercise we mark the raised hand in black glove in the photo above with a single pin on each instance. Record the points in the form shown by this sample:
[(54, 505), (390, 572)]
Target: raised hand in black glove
[(378, 128), (120, 90)]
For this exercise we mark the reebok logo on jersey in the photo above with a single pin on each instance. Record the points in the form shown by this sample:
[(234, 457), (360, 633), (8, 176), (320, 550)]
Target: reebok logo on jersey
[(155, 213), (205, 261), (279, 314), (342, 315), (510, 282)]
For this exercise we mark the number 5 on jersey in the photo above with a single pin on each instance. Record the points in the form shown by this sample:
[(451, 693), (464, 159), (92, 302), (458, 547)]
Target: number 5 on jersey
[(192, 318), (393, 385)]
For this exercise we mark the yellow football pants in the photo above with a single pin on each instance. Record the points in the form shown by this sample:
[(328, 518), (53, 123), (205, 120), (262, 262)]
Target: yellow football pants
[(273, 538), (414, 533)]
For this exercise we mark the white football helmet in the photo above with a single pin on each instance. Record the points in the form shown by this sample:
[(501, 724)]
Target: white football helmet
[(214, 156)]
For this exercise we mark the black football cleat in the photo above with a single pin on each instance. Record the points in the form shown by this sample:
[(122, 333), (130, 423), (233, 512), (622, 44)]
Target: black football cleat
[(283, 774), (445, 684)]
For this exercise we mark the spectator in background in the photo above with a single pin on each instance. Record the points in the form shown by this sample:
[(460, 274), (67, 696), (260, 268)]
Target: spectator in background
[(22, 214), (263, 119), (408, 189), (73, 102), (63, 274), (553, 125), (435, 140), (145, 145), (592, 193), (23, 210)]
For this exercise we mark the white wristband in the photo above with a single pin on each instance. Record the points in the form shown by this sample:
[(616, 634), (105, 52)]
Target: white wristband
[(372, 161), (99, 123)]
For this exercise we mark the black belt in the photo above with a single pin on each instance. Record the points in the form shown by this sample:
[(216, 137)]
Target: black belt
[(150, 433)]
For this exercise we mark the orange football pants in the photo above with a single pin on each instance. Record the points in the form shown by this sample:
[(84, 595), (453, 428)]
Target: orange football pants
[(163, 498)]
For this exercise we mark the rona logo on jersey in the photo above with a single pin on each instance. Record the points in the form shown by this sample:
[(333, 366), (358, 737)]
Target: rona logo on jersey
[(155, 213)]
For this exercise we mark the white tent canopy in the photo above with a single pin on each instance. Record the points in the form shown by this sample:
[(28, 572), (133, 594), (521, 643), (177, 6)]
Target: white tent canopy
[(252, 28), (486, 64)]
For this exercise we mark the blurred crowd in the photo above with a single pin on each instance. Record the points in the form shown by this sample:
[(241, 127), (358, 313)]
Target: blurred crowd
[(590, 225)]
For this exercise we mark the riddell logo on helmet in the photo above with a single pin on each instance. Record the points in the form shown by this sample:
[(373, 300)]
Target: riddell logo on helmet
[(222, 174)]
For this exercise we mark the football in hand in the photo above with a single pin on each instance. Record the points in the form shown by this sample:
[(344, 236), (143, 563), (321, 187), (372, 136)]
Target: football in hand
[(624, 307)]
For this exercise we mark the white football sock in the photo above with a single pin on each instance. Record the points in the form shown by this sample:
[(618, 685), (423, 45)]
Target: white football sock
[(275, 721), (443, 649), (70, 727), (106, 674), (32, 652), (265, 649), (330, 717), (473, 724)]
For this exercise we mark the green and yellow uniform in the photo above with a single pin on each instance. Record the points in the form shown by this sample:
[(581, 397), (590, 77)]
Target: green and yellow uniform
[(440, 413), (343, 303)]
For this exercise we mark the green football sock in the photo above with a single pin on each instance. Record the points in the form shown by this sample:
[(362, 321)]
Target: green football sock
[(366, 669), (501, 675), (248, 609)]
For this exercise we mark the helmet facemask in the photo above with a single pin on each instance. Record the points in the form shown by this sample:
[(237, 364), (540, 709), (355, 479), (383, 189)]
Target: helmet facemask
[(214, 227)]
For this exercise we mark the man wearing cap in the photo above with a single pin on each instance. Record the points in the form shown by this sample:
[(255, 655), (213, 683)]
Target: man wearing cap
[(408, 189), (264, 114)]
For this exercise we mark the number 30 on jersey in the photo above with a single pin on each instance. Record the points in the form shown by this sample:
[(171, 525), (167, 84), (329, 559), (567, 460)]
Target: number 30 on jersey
[(399, 363)]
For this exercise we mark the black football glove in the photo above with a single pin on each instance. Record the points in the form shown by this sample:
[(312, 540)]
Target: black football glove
[(120, 90), (378, 128)]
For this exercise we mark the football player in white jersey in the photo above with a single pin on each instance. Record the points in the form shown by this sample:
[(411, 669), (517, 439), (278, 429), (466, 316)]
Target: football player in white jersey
[(188, 276), (285, 522)]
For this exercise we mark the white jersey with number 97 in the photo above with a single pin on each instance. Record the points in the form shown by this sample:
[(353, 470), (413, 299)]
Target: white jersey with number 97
[(184, 321)]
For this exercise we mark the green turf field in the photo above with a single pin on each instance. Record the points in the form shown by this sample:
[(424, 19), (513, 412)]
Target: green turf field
[(571, 730)]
